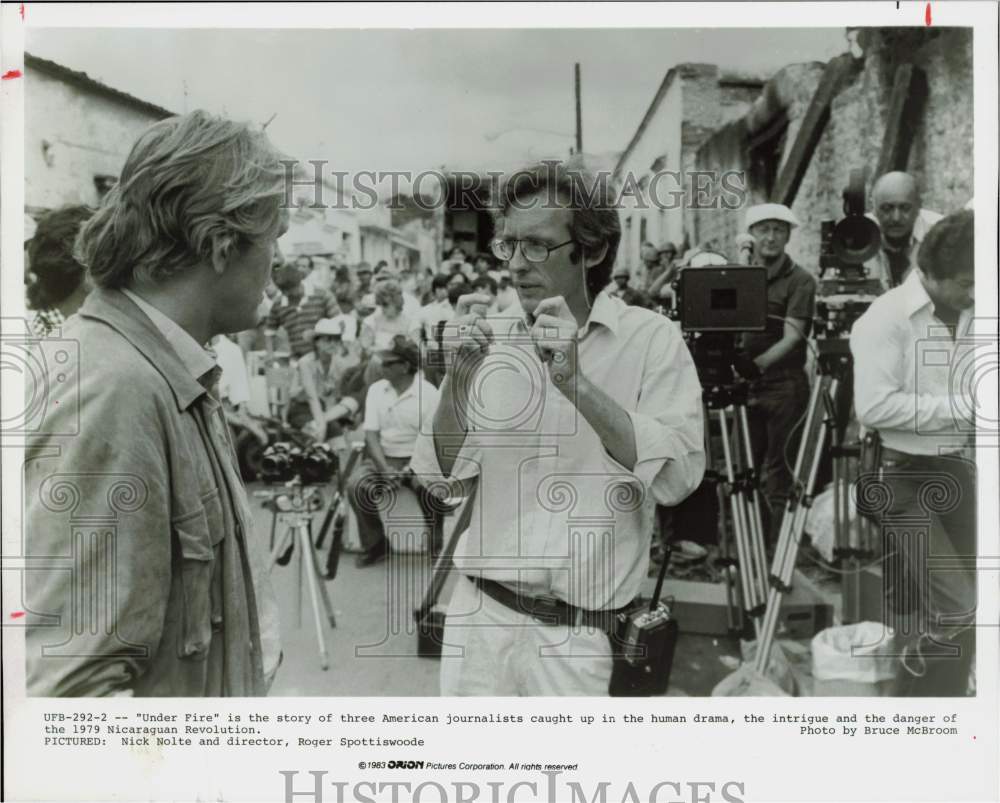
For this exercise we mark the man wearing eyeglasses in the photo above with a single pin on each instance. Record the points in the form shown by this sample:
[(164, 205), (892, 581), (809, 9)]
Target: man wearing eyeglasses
[(577, 414)]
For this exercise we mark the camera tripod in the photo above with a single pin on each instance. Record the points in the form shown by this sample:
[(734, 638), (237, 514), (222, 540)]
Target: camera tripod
[(826, 420), (298, 534), (739, 485)]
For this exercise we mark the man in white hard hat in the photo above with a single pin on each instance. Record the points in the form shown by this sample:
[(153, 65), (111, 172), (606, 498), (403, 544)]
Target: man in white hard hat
[(775, 359)]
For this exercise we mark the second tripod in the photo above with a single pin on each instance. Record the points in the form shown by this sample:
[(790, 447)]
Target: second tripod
[(738, 485)]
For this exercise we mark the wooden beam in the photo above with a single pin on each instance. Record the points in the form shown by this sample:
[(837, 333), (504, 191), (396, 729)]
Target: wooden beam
[(837, 71), (906, 108)]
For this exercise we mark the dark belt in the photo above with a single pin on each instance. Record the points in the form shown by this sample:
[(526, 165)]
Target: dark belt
[(548, 610), (888, 453)]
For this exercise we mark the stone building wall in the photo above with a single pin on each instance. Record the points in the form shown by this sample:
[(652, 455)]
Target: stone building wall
[(940, 155)]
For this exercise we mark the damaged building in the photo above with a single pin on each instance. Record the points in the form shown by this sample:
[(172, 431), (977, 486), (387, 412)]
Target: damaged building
[(899, 99)]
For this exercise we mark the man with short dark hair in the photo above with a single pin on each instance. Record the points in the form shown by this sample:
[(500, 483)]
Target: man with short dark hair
[(905, 348), (364, 275), (60, 283), (297, 311), (568, 406)]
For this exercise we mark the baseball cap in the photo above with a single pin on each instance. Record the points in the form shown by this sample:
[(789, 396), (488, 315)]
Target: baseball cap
[(761, 212), (402, 348)]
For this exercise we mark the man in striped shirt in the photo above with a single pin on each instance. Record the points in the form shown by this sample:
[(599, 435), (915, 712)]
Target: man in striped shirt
[(297, 312)]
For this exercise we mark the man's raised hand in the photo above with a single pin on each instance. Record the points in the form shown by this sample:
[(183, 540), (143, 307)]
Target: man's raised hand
[(467, 337), (554, 333)]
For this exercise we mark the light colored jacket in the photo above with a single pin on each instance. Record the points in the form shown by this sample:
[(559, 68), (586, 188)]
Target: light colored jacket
[(147, 578)]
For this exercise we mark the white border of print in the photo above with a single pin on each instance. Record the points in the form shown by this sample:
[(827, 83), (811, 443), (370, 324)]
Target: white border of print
[(773, 764)]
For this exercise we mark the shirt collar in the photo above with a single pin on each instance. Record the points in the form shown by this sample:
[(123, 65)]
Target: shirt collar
[(913, 295), (412, 389), (606, 311), (779, 268), (121, 313), (196, 360)]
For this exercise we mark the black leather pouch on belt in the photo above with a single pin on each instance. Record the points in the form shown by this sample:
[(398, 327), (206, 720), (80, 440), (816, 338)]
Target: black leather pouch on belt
[(643, 644)]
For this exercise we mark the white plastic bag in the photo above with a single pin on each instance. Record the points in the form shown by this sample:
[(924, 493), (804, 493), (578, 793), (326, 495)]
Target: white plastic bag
[(853, 659)]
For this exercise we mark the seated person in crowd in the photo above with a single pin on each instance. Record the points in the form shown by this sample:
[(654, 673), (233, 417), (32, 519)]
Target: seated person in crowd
[(433, 317), (506, 294), (346, 300), (386, 273), (439, 309), (379, 328), (59, 283), (234, 386), (363, 276), (388, 320), (320, 398), (394, 409), (296, 312)]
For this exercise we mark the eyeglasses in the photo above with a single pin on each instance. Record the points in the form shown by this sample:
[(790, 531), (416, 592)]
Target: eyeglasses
[(390, 363), (531, 250)]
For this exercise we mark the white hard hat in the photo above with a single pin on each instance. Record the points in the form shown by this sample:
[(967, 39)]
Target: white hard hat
[(761, 212)]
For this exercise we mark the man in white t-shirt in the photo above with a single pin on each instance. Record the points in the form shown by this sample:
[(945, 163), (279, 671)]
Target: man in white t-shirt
[(394, 409)]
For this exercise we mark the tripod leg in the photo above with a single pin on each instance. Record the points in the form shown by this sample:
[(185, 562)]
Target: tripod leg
[(312, 576), (324, 593), (758, 550), (733, 611), (739, 515), (280, 547), (795, 529)]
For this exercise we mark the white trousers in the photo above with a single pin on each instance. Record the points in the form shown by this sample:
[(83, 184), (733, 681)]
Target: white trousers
[(491, 650)]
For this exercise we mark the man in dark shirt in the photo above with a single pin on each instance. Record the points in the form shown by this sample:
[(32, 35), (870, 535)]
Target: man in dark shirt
[(775, 359)]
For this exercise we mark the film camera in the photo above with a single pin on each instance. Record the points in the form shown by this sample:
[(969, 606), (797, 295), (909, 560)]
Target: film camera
[(714, 306), (312, 465), (845, 291)]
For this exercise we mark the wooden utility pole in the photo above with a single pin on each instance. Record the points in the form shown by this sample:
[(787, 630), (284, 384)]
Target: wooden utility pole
[(579, 121)]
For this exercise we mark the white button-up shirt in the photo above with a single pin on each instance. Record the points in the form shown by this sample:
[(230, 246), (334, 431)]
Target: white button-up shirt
[(912, 380), (555, 514), (397, 416)]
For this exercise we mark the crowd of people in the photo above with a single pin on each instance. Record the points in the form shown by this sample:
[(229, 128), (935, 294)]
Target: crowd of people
[(496, 378)]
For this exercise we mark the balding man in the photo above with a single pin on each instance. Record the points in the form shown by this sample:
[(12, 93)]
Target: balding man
[(903, 222)]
